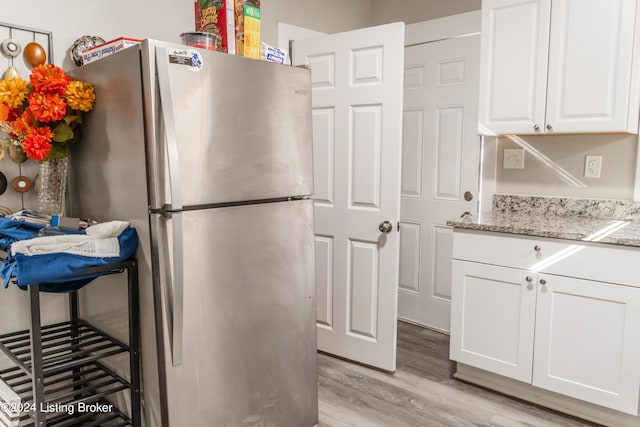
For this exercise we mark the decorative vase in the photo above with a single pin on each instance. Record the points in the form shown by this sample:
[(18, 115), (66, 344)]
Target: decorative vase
[(52, 186)]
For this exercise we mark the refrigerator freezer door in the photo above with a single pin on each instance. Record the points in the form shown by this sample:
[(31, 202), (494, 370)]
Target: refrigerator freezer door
[(249, 350), (240, 128)]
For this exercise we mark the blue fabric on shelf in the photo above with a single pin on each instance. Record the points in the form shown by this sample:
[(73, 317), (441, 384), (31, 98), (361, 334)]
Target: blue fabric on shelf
[(12, 231), (54, 272)]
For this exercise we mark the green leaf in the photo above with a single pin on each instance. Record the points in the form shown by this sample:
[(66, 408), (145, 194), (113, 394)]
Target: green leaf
[(58, 152), (62, 132), (70, 119)]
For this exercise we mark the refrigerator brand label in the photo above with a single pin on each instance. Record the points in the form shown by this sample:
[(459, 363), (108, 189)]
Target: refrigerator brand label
[(190, 57)]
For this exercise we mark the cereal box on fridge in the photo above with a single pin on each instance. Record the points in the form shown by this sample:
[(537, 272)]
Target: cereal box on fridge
[(217, 17), (247, 17)]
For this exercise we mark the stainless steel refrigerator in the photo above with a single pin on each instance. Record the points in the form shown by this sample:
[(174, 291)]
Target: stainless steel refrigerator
[(209, 156)]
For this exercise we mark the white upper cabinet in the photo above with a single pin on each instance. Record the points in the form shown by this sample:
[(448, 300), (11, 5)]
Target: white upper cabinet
[(558, 66), (513, 66)]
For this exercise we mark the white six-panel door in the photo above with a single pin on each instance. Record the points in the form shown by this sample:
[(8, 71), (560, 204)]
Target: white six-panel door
[(440, 163), (357, 130)]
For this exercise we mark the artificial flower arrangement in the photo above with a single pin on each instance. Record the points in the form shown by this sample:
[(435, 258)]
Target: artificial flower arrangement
[(42, 117)]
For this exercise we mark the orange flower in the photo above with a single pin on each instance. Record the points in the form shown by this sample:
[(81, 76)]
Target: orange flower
[(47, 107), (4, 112), (42, 131), (8, 114), (48, 78), (24, 123), (36, 147)]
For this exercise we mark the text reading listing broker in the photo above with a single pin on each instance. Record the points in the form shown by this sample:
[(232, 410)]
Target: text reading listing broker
[(79, 408)]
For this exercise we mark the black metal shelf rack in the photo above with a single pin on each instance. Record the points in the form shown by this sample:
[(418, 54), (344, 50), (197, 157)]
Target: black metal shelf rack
[(58, 378)]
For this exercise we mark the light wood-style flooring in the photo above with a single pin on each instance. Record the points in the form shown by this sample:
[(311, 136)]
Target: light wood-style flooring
[(420, 393)]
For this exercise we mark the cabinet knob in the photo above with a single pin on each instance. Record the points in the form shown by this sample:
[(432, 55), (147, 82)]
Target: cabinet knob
[(543, 282), (536, 128), (529, 279), (549, 127), (537, 248)]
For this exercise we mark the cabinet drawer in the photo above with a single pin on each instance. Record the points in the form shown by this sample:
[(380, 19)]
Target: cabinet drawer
[(598, 262), (583, 260), (509, 250)]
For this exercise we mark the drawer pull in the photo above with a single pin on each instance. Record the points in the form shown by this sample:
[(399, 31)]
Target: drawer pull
[(537, 248), (543, 282), (529, 279)]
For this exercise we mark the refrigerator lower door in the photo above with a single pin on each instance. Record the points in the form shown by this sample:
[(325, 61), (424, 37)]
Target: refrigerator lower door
[(249, 338)]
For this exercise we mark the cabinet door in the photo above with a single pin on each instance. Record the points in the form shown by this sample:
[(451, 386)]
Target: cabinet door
[(513, 66), (590, 64), (588, 341), (492, 318)]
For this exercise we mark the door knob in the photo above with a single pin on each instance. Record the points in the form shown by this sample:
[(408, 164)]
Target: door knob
[(468, 196), (385, 227)]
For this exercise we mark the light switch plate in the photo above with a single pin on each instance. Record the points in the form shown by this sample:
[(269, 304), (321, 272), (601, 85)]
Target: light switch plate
[(513, 158)]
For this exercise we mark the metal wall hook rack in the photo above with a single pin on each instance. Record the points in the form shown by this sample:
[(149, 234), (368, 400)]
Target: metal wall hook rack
[(22, 36), (36, 36)]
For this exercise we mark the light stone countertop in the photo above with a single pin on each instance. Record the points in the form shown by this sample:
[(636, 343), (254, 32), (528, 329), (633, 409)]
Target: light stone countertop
[(546, 217), (612, 231)]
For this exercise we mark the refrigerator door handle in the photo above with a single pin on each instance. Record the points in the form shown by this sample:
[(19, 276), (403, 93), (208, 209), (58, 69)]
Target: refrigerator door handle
[(177, 279), (170, 136), (173, 164), (172, 282)]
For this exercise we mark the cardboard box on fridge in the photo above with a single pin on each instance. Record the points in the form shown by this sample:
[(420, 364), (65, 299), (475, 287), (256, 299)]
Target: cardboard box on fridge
[(217, 17), (108, 48), (247, 20)]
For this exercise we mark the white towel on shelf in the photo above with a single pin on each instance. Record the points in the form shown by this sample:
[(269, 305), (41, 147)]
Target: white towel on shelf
[(100, 241), (107, 229)]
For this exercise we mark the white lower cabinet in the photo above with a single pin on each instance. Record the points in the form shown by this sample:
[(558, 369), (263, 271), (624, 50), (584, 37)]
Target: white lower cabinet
[(568, 335), (587, 341), (492, 319)]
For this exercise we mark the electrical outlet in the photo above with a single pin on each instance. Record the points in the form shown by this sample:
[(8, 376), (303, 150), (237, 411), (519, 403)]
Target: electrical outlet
[(592, 166), (513, 158)]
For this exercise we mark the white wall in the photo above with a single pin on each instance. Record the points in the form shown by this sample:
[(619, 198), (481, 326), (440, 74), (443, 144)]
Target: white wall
[(554, 166), (411, 11), (70, 19), (328, 16)]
